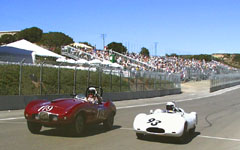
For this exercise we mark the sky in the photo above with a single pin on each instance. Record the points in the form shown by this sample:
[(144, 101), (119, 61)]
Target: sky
[(183, 27)]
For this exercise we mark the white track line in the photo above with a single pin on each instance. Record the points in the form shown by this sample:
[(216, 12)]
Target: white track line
[(13, 122), (190, 99), (218, 138), (5, 119), (201, 136)]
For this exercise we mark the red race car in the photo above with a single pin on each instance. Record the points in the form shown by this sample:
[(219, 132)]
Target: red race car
[(76, 113)]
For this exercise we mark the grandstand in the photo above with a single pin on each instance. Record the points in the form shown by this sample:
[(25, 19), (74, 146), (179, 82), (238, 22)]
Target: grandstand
[(190, 69)]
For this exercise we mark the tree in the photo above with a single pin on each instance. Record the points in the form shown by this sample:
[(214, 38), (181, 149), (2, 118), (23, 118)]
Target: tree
[(118, 47), (33, 34), (7, 38), (144, 51), (173, 55), (54, 40)]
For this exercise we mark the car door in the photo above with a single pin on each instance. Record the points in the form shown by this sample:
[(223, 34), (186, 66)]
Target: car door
[(91, 112)]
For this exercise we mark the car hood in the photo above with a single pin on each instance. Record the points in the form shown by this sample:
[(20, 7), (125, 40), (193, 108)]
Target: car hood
[(166, 117), (159, 120), (58, 106)]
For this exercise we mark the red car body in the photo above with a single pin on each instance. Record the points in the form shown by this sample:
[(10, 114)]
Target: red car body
[(73, 112)]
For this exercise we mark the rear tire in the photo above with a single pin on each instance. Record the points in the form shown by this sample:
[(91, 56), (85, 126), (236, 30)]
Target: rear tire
[(34, 127), (140, 136), (79, 125), (108, 123)]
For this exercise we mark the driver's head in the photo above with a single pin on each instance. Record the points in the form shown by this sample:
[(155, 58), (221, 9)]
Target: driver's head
[(92, 92), (170, 106)]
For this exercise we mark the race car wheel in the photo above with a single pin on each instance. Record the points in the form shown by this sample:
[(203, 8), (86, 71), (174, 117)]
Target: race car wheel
[(192, 131), (34, 127), (108, 123), (183, 138), (79, 125), (140, 136)]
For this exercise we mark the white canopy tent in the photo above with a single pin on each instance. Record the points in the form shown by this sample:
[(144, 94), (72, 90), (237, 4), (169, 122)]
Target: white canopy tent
[(82, 61), (115, 65), (81, 45), (35, 49), (95, 61)]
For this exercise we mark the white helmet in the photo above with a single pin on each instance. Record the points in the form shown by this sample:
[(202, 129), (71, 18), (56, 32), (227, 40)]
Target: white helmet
[(92, 91), (170, 106)]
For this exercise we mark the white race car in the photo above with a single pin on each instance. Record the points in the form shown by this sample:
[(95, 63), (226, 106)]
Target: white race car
[(172, 122)]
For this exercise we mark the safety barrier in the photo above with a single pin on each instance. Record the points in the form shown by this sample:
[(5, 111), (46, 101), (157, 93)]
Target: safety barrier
[(221, 81), (20, 102)]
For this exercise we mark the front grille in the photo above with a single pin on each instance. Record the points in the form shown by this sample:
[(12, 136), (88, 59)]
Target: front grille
[(44, 116), (155, 130)]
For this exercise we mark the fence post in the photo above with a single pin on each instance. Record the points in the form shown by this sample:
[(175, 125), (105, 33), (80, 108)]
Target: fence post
[(136, 76), (41, 70), (74, 80), (129, 86), (99, 76), (120, 76), (155, 81), (20, 77), (143, 86), (111, 80), (88, 79), (59, 78)]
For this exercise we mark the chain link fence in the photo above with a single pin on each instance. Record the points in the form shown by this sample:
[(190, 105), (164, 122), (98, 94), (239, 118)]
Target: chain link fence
[(44, 79)]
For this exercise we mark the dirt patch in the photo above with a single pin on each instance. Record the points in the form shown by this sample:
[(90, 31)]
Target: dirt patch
[(195, 86)]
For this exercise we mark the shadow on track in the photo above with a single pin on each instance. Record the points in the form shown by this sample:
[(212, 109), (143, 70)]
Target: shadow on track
[(170, 140), (89, 131)]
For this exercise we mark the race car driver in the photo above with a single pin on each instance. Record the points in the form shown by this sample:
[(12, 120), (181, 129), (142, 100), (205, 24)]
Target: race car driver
[(93, 97), (171, 107)]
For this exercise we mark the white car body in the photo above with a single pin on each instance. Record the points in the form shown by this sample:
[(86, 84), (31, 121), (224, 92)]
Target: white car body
[(163, 123)]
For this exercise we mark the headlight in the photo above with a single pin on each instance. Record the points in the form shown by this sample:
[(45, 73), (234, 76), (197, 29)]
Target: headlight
[(65, 118), (37, 117), (55, 118)]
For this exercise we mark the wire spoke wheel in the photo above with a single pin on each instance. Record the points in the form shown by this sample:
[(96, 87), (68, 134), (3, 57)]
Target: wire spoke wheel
[(108, 123), (79, 125)]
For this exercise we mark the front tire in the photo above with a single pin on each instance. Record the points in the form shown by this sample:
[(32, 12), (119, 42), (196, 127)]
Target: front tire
[(79, 125), (192, 131), (140, 136), (108, 123), (183, 138), (34, 127)]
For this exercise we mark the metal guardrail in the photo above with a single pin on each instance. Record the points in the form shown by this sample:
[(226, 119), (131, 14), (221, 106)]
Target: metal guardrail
[(76, 53), (224, 79)]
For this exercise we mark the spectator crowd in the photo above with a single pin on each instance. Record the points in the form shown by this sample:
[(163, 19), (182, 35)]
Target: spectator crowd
[(171, 64)]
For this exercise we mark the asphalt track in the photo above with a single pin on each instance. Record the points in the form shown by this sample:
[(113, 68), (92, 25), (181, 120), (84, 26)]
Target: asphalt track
[(218, 126)]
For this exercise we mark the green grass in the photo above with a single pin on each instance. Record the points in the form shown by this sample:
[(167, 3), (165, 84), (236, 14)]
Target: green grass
[(30, 85)]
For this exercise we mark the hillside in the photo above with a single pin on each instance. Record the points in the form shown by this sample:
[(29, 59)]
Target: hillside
[(228, 59)]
